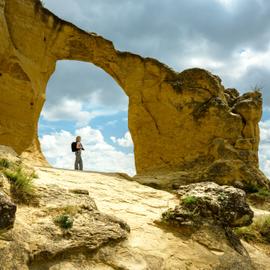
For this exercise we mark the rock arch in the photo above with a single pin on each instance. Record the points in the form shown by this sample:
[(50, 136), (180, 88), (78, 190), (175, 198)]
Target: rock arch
[(182, 121)]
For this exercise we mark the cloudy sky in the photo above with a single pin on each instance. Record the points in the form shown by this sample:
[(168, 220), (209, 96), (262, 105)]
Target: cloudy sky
[(231, 38)]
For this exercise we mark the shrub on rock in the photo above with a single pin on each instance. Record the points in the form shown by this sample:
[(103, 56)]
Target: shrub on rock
[(210, 203)]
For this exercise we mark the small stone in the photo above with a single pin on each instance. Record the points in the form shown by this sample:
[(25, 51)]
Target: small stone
[(79, 191)]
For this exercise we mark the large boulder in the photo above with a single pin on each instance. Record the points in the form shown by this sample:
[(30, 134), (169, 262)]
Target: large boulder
[(7, 213), (210, 203)]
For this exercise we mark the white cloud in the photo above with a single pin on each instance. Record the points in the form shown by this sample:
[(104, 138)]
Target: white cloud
[(112, 123), (67, 110), (126, 141), (247, 58), (265, 131), (73, 110), (98, 154), (226, 3), (264, 152)]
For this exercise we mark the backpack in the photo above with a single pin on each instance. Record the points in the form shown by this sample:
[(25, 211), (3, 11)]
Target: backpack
[(74, 147)]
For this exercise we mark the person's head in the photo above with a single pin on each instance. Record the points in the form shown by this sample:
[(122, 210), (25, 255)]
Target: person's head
[(78, 138)]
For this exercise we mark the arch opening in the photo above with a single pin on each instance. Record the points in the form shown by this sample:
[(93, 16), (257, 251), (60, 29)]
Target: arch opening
[(82, 99)]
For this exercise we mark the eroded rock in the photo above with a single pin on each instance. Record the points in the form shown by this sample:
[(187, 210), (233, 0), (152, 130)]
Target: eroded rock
[(38, 241), (209, 212), (174, 118), (7, 213), (210, 203)]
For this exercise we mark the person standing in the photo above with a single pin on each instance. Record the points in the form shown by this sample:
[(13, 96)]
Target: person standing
[(78, 154)]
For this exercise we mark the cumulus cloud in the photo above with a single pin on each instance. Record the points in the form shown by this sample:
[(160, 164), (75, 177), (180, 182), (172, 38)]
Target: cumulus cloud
[(125, 141), (67, 110), (85, 84), (98, 154), (264, 152), (73, 110)]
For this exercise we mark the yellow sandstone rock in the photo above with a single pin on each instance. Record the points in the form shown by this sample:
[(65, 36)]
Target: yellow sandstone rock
[(99, 240), (180, 122)]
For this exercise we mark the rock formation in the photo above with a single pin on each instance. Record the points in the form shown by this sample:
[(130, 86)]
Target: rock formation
[(99, 240), (119, 226), (38, 241), (180, 122), (213, 210), (208, 202), (7, 213)]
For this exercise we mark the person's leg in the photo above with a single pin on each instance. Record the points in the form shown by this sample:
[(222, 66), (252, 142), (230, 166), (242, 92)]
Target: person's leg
[(81, 163), (76, 165)]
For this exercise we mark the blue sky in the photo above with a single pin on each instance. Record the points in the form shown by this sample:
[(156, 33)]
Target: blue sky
[(231, 38)]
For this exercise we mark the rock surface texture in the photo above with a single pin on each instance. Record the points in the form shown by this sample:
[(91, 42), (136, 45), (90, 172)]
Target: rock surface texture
[(100, 241), (7, 213), (182, 121), (208, 202), (213, 210), (39, 241)]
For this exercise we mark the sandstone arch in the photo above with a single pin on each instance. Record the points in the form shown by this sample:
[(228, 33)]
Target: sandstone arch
[(182, 121)]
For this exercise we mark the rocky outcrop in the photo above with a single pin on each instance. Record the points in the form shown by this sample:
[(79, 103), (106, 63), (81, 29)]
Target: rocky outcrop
[(7, 213), (208, 207), (149, 245), (212, 204), (116, 228), (182, 121), (39, 240)]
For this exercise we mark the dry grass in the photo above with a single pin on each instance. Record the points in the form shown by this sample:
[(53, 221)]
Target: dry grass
[(21, 182), (258, 231)]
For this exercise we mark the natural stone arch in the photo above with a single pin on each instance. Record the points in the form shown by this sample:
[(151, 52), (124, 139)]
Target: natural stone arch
[(183, 122), (82, 99)]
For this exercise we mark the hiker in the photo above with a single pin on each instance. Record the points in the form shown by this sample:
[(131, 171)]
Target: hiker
[(77, 148)]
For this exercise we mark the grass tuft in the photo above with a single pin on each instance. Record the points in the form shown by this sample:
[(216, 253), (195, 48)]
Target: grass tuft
[(22, 187), (189, 200), (4, 163), (64, 221), (263, 193), (258, 231)]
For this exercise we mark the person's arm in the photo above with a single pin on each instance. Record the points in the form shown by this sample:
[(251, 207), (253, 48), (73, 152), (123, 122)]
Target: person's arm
[(78, 146)]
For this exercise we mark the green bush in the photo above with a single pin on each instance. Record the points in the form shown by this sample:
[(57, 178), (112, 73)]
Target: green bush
[(262, 225), (263, 193), (247, 233), (261, 196), (189, 200), (22, 187), (64, 221), (251, 188), (4, 163)]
